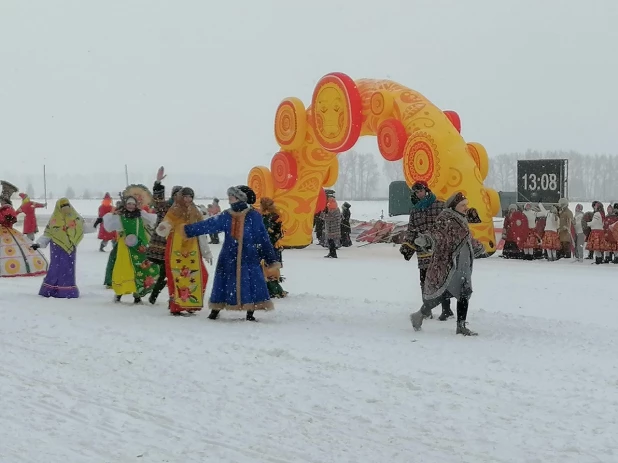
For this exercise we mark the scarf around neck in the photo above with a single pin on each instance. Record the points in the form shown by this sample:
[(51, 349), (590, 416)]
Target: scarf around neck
[(425, 203), (239, 206)]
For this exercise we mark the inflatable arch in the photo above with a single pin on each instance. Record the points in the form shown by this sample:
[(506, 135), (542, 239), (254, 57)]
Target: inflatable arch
[(407, 125)]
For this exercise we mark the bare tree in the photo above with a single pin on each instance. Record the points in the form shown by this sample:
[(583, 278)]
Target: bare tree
[(358, 176), (393, 170)]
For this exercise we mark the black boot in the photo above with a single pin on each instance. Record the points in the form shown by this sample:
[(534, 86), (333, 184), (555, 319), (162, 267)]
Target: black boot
[(102, 246), (137, 300), (598, 260), (214, 314), (250, 316), (117, 298), (446, 311), (158, 287)]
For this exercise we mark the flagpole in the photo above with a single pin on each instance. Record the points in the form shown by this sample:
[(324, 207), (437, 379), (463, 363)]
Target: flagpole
[(126, 174)]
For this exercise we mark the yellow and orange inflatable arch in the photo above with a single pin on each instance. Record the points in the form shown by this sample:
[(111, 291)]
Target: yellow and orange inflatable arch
[(408, 126)]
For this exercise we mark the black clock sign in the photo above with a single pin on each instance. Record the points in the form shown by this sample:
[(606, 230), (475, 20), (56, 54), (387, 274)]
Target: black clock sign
[(541, 181)]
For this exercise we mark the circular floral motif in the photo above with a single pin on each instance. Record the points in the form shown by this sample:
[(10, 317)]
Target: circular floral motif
[(39, 263), (260, 181), (422, 161), (291, 123), (284, 170), (392, 139), (11, 266), (9, 251)]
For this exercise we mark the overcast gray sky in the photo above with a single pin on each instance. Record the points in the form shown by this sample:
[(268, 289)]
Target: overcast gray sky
[(193, 84)]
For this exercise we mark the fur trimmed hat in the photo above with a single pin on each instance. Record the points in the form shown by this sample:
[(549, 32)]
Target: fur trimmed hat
[(186, 191), (563, 202), (242, 193), (455, 199), (175, 190)]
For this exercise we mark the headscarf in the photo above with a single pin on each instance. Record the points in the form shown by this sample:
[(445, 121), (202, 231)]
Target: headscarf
[(107, 200), (455, 199), (66, 230), (25, 199)]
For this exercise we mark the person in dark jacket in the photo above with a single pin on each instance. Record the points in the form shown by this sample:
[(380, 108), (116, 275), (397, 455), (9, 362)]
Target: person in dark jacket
[(156, 247), (426, 208), (346, 242), (332, 227)]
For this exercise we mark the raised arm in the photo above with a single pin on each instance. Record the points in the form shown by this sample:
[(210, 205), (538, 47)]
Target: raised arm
[(210, 226)]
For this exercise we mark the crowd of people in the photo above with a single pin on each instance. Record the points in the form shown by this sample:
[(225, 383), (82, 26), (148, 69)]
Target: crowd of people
[(160, 245), (536, 232)]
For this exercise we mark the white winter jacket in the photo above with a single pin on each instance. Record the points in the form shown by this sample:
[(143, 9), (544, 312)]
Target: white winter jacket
[(597, 222), (552, 222), (531, 216), (579, 228)]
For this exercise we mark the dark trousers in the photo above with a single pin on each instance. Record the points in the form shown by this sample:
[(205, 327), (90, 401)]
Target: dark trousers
[(160, 284), (332, 248), (446, 303)]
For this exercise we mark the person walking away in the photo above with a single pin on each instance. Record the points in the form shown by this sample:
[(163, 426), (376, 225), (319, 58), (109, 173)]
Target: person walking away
[(332, 227), (239, 282), (425, 209), (450, 272), (318, 224), (105, 208), (63, 233), (346, 229), (551, 239), (580, 236), (157, 246), (186, 274), (565, 228), (28, 208), (597, 233)]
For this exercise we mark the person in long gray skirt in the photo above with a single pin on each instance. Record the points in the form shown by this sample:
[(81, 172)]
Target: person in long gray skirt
[(453, 252)]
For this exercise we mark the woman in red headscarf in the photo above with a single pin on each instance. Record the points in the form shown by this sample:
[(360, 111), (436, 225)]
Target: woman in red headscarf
[(105, 208)]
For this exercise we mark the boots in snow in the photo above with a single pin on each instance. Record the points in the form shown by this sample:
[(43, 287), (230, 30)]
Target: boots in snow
[(117, 298), (446, 311), (250, 316), (463, 329), (102, 247), (214, 314), (598, 261), (417, 320), (137, 300)]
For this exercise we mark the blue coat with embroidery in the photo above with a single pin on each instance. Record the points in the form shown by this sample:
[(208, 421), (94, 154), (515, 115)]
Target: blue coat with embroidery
[(239, 282)]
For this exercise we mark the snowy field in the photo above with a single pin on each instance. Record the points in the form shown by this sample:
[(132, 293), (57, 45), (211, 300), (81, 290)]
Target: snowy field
[(334, 374)]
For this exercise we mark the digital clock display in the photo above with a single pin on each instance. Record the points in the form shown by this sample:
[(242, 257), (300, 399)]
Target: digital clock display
[(541, 181)]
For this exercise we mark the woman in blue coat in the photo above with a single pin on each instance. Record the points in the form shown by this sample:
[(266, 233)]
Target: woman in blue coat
[(239, 282)]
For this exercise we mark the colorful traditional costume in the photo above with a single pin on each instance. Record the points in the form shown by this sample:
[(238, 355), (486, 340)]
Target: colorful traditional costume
[(239, 282), (132, 273), (64, 231), (186, 274), (28, 208), (17, 258)]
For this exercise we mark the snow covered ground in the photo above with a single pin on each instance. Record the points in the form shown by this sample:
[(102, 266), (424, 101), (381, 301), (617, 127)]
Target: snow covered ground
[(334, 374)]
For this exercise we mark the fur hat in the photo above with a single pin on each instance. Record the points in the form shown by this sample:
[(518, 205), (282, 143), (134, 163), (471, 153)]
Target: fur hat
[(513, 207), (563, 202), (186, 191), (176, 189), (455, 199), (347, 205), (242, 193)]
